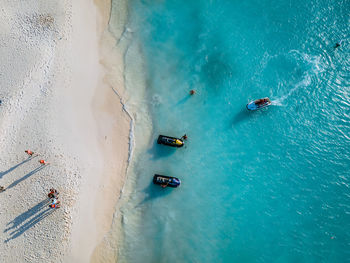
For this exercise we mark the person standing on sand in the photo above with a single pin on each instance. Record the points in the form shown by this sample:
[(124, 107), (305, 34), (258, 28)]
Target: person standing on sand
[(42, 162), (53, 193), (30, 153), (55, 203)]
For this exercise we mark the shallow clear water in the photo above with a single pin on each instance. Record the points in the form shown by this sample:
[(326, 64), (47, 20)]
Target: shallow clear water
[(265, 186)]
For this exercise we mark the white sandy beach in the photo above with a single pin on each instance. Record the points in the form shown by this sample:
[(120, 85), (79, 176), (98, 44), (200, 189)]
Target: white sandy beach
[(56, 101)]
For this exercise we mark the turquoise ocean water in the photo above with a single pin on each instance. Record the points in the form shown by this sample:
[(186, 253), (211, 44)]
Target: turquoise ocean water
[(265, 186)]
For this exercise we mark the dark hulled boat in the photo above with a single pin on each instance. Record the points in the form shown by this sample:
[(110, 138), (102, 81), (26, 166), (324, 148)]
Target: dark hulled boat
[(170, 141), (165, 181)]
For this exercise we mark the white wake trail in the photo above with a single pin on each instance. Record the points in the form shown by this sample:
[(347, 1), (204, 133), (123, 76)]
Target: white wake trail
[(316, 67)]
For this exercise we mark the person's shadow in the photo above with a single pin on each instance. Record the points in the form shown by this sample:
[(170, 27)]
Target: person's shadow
[(28, 219), (26, 176), (160, 151), (16, 166)]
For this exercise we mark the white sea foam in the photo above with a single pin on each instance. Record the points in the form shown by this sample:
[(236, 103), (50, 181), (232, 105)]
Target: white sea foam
[(131, 133), (136, 106), (315, 66)]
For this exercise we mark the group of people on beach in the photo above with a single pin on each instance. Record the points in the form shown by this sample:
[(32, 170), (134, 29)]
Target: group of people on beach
[(53, 194), (32, 154)]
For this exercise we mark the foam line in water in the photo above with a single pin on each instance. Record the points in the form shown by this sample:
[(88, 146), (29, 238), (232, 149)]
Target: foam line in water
[(277, 102), (314, 61), (306, 81), (316, 67), (131, 133)]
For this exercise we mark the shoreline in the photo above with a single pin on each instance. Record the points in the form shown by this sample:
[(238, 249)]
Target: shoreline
[(122, 52), (114, 128), (112, 59)]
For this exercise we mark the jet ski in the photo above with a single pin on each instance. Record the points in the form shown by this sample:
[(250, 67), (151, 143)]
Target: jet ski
[(258, 104), (170, 141), (165, 181)]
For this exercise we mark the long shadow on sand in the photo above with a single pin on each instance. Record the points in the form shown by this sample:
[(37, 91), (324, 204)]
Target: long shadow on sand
[(153, 191), (16, 166), (158, 151), (26, 176), (28, 219)]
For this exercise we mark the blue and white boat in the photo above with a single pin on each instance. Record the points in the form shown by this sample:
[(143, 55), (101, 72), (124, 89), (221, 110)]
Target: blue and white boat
[(258, 104)]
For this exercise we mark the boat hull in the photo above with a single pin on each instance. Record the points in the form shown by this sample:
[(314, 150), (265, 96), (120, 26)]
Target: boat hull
[(166, 180), (252, 106), (170, 141)]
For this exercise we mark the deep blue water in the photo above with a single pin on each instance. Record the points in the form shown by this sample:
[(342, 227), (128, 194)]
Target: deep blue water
[(265, 186)]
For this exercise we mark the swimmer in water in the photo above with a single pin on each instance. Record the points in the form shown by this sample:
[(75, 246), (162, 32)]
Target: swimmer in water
[(338, 44)]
